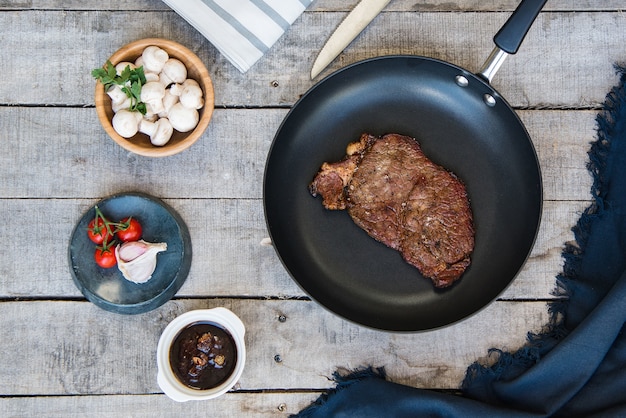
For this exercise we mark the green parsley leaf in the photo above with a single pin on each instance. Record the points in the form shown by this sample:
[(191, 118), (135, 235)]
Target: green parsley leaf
[(130, 81)]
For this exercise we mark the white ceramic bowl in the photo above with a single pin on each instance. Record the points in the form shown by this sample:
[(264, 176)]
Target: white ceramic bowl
[(166, 378)]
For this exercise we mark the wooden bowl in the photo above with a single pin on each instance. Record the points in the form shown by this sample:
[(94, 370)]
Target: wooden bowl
[(140, 143)]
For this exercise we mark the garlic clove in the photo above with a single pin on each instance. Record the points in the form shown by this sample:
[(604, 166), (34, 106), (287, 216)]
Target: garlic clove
[(128, 251), (137, 260)]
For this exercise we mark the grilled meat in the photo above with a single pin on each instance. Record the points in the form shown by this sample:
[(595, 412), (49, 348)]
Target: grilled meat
[(405, 201)]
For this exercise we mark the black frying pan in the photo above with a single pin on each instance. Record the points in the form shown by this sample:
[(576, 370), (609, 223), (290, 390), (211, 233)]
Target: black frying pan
[(459, 127)]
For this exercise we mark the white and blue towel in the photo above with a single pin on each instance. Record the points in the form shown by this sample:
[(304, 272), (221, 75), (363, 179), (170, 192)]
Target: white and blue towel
[(242, 30)]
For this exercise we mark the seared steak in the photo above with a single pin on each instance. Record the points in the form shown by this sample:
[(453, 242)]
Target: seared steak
[(404, 200)]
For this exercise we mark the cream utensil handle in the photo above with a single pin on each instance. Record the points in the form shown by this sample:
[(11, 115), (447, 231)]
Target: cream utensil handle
[(362, 14)]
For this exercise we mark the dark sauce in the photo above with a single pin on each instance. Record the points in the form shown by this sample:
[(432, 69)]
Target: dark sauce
[(203, 355)]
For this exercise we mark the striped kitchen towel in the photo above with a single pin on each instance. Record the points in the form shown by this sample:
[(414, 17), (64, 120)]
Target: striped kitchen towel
[(242, 30)]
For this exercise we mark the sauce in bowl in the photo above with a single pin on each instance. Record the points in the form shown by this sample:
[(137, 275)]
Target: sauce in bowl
[(203, 355)]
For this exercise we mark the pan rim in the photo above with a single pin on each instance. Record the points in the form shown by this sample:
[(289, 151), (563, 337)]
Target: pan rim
[(288, 264)]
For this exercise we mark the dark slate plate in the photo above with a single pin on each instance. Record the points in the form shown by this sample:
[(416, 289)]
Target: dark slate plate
[(107, 288)]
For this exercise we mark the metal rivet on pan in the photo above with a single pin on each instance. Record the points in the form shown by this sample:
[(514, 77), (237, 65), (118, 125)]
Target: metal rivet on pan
[(489, 100), (282, 318), (461, 80), (278, 358)]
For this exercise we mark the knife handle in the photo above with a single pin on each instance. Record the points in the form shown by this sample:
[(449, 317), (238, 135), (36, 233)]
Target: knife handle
[(512, 34)]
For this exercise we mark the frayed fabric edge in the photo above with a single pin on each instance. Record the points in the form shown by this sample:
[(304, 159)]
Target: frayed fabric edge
[(538, 344), (342, 382)]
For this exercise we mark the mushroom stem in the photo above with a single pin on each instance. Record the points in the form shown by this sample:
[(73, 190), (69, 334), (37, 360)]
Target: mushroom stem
[(116, 94), (152, 95), (159, 132)]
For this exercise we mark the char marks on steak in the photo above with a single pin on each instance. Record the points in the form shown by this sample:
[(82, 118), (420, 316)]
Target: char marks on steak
[(404, 200)]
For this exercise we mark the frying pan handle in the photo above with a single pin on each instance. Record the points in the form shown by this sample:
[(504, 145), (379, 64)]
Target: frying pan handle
[(511, 35)]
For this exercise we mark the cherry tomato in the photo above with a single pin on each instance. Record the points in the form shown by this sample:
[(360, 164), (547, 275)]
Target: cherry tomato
[(105, 258), (98, 233), (132, 230)]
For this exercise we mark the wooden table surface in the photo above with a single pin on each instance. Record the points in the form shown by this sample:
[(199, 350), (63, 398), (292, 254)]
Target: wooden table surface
[(63, 356)]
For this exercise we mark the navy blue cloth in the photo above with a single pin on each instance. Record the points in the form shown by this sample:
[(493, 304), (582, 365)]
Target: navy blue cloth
[(577, 367)]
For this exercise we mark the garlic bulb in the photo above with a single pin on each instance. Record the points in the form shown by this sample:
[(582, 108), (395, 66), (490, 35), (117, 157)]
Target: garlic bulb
[(137, 259)]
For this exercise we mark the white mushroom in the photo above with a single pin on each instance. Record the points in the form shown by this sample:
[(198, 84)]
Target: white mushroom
[(176, 89), (122, 66), (152, 94), (190, 82), (154, 58), (191, 96), (182, 118), (116, 94), (151, 117), (123, 104), (159, 132), (126, 123), (151, 77), (174, 108), (169, 100), (174, 71)]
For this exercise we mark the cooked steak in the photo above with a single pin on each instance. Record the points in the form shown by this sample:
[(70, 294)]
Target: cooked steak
[(404, 200)]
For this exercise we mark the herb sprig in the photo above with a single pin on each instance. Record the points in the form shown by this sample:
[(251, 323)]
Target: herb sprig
[(130, 81)]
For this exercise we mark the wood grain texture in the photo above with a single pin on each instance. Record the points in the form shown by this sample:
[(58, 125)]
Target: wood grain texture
[(229, 259), (558, 66), (227, 162), (325, 5), (258, 405), (62, 356), (75, 348)]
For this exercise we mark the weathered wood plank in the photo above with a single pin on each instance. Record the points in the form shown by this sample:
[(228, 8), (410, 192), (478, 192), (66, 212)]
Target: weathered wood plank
[(537, 277), (562, 140), (228, 257), (566, 60), (227, 163), (73, 348), (51, 147), (249, 405), (326, 5), (540, 75)]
